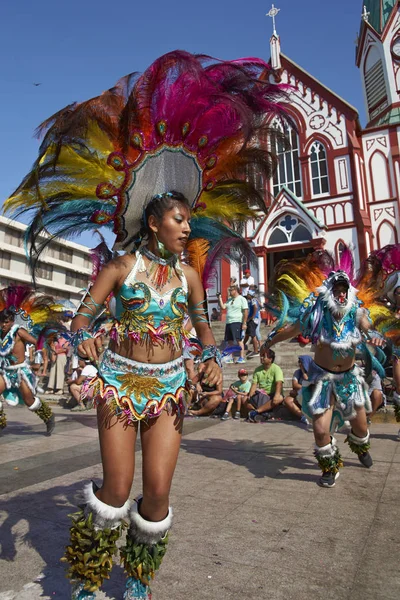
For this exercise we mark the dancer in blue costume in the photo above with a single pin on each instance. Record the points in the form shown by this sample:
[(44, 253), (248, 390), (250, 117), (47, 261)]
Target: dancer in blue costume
[(23, 313), (161, 158), (334, 318)]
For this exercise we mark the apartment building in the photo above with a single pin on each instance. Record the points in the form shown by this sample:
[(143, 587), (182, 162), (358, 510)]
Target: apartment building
[(64, 267)]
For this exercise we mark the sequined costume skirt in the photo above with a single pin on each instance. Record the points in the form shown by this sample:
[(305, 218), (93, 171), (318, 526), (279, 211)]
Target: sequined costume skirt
[(348, 390), (139, 390), (13, 377)]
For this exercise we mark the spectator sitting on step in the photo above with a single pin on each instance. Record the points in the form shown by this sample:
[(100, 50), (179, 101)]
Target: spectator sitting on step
[(215, 315), (79, 386), (266, 388), (209, 399), (238, 391), (293, 401)]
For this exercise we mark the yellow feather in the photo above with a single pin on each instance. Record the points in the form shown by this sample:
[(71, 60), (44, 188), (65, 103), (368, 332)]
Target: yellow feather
[(77, 174), (226, 205), (293, 286)]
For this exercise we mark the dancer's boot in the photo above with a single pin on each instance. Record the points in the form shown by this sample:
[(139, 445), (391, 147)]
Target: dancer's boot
[(146, 545), (360, 446), (330, 461), (44, 412)]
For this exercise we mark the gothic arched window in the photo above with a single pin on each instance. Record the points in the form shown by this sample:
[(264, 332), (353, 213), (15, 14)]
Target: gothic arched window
[(288, 172), (288, 230), (319, 169)]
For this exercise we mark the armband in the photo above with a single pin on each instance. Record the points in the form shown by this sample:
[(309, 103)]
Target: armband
[(90, 304), (209, 352), (198, 313), (80, 336)]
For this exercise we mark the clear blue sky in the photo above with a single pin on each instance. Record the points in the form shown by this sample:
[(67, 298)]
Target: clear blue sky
[(78, 48)]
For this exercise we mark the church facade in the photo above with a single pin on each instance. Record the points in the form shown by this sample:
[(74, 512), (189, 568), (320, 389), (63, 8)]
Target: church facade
[(337, 182)]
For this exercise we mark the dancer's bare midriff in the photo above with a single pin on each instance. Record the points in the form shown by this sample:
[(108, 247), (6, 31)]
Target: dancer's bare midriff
[(325, 358)]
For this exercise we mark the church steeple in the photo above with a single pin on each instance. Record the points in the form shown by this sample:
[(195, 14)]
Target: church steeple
[(275, 43), (378, 57), (377, 13)]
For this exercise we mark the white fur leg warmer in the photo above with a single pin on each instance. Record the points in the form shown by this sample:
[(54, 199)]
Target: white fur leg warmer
[(357, 440), (148, 532), (105, 516), (36, 404), (328, 450)]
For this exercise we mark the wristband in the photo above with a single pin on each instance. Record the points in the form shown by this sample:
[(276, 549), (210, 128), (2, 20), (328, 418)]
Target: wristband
[(80, 336), (209, 352), (372, 333)]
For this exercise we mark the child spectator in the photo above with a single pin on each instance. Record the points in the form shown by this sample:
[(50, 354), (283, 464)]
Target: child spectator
[(238, 391)]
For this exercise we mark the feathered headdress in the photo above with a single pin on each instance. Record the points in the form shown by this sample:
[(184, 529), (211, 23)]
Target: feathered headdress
[(32, 310), (384, 264), (189, 124), (302, 288)]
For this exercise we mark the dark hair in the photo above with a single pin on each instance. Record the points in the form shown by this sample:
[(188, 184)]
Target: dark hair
[(269, 353), (157, 207), (8, 314)]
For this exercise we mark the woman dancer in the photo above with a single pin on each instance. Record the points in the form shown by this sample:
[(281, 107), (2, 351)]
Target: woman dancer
[(161, 158)]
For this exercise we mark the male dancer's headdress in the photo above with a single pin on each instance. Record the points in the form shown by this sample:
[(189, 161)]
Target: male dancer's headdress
[(189, 124), (303, 288), (30, 309)]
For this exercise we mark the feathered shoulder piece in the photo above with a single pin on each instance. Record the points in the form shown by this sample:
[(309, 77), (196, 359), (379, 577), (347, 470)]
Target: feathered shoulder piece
[(31, 310), (382, 269), (189, 123)]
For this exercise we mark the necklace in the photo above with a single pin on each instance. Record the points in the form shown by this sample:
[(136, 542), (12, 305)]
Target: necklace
[(160, 270)]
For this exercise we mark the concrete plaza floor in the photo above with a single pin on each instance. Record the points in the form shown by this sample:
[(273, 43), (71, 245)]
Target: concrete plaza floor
[(250, 521)]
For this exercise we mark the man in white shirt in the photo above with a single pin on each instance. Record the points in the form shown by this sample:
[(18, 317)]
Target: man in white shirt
[(75, 387), (246, 281)]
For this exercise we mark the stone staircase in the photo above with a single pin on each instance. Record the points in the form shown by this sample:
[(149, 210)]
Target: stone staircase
[(287, 354)]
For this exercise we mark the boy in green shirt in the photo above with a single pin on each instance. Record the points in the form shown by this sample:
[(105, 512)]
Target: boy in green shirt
[(238, 391), (266, 389)]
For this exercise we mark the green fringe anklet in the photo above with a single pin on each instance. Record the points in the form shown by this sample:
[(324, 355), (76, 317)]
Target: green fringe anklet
[(44, 412), (90, 551), (329, 464)]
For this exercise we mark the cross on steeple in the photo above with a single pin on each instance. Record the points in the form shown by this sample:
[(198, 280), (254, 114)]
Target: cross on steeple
[(273, 13), (365, 14)]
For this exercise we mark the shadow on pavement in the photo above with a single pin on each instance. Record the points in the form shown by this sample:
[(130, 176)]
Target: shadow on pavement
[(40, 520), (264, 460)]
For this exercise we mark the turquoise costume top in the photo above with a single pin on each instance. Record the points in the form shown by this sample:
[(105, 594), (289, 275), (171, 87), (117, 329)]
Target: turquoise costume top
[(6, 347), (142, 314), (340, 332)]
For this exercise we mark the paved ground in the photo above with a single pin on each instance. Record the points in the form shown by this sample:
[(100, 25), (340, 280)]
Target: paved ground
[(250, 521)]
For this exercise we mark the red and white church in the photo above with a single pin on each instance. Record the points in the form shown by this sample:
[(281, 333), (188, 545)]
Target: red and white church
[(338, 182)]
